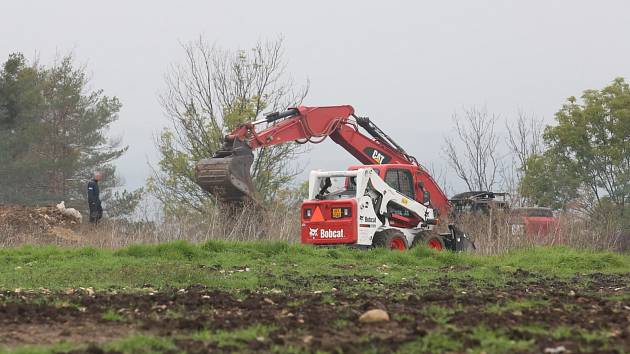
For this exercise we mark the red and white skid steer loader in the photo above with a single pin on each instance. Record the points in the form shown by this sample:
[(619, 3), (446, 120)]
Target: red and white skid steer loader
[(390, 201), (359, 212)]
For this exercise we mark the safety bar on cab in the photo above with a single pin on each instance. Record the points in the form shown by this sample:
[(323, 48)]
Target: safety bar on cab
[(326, 174)]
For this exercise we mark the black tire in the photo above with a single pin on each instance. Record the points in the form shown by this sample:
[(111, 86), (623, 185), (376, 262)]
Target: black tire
[(467, 245), (459, 241), (430, 240), (392, 239)]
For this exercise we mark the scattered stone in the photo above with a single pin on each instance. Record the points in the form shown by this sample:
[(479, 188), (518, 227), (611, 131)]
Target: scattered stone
[(375, 315), (558, 349), (159, 307), (269, 301)]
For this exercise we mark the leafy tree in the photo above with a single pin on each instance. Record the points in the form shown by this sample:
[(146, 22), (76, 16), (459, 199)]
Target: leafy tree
[(20, 106), (53, 132), (207, 96), (588, 148), (122, 203), (547, 183)]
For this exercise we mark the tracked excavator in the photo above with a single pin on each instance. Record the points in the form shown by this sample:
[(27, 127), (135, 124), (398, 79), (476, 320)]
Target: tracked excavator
[(389, 201)]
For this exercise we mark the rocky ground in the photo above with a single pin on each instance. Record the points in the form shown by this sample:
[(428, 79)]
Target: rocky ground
[(586, 313)]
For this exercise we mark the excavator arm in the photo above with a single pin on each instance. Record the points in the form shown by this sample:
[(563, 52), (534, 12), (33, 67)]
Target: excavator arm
[(227, 174)]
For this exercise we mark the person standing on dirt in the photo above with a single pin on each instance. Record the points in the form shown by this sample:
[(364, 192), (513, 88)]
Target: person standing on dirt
[(94, 200)]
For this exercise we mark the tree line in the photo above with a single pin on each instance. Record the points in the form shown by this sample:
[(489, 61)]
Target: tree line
[(580, 163), (53, 134)]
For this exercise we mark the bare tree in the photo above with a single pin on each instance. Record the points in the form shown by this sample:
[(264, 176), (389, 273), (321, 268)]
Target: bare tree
[(524, 139), (209, 94), (472, 153), (439, 172)]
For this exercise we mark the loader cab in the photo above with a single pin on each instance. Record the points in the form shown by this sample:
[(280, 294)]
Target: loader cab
[(404, 179)]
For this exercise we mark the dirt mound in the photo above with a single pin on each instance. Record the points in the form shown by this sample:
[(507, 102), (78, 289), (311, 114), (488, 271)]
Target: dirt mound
[(46, 219)]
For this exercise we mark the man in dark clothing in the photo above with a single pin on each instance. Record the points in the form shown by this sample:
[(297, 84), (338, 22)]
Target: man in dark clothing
[(94, 201)]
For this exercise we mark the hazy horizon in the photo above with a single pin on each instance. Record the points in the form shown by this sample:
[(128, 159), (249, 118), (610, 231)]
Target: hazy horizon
[(407, 65)]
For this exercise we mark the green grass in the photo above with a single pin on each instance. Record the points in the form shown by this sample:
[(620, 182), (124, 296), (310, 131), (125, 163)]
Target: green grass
[(234, 338), (439, 314), (111, 315), (276, 267), (39, 349), (222, 265), (142, 344), (139, 344), (433, 342), (496, 342)]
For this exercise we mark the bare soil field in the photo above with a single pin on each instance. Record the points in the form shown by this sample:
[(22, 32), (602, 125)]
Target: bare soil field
[(530, 313)]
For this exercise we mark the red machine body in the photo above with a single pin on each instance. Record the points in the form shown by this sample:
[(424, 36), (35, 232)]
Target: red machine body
[(314, 124), (323, 228)]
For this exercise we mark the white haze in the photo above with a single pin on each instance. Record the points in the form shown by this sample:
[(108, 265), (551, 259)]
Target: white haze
[(409, 65)]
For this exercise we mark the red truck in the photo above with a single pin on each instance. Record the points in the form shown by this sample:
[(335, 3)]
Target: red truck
[(538, 224)]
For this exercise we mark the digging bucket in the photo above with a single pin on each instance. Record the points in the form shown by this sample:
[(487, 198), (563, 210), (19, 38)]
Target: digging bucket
[(226, 175)]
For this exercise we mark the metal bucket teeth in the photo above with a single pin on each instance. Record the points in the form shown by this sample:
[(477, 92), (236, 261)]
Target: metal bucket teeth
[(228, 177)]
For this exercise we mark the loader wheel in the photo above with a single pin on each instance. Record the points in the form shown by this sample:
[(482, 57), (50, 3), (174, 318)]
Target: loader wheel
[(429, 240), (392, 239)]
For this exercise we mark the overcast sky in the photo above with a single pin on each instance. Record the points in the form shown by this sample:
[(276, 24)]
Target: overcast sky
[(409, 65)]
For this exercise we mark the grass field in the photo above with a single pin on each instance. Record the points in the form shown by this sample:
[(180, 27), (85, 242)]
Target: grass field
[(276, 297)]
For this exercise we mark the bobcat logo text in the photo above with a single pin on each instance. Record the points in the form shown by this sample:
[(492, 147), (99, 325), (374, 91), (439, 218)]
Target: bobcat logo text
[(313, 233)]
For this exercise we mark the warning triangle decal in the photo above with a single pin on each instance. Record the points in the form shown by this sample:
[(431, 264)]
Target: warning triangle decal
[(317, 215)]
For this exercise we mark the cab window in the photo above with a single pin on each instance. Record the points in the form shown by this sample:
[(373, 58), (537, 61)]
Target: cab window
[(401, 180)]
